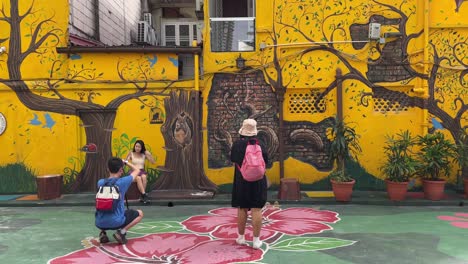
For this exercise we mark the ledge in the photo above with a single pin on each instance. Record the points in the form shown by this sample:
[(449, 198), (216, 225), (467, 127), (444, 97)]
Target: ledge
[(127, 49)]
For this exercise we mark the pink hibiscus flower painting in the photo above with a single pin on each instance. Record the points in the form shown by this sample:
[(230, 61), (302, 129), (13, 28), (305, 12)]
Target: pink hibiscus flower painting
[(163, 248), (222, 222), (211, 239), (459, 220)]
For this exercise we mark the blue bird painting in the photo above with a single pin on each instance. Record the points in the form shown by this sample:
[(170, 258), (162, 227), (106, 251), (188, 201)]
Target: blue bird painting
[(436, 124), (174, 61), (35, 121), (75, 57), (49, 122), (153, 60)]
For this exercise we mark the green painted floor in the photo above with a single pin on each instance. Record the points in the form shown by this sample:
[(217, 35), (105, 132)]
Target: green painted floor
[(204, 234)]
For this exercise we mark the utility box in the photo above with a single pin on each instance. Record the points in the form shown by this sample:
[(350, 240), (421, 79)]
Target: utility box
[(374, 31), (49, 186), (289, 189)]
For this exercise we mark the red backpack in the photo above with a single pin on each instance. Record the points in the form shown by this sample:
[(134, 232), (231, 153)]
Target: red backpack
[(253, 166)]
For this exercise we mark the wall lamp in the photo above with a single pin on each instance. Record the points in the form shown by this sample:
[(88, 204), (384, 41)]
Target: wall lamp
[(240, 62)]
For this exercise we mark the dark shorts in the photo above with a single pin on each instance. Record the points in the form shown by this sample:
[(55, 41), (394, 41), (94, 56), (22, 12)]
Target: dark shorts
[(142, 171), (130, 215)]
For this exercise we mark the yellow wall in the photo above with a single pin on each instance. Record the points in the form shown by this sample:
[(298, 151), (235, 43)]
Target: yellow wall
[(52, 141)]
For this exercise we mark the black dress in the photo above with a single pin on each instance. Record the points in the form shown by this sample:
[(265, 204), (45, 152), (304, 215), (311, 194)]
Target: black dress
[(247, 194)]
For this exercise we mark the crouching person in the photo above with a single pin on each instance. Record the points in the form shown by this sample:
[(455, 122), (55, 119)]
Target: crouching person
[(118, 219)]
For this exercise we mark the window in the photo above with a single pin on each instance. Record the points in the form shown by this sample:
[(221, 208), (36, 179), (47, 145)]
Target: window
[(232, 25), (180, 33)]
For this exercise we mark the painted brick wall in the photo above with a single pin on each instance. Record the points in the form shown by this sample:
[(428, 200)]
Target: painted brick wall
[(118, 20), (234, 97)]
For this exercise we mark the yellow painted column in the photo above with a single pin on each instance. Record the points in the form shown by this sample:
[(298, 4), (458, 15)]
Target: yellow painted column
[(426, 61)]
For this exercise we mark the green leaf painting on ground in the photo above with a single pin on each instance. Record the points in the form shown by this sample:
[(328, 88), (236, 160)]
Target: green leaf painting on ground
[(156, 227), (311, 244)]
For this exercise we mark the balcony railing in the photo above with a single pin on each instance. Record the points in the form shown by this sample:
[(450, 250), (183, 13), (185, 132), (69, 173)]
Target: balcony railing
[(232, 34)]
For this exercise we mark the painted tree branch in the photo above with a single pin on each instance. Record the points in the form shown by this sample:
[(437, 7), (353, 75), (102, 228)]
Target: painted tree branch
[(115, 103), (34, 46), (394, 9), (36, 32), (4, 17), (27, 11)]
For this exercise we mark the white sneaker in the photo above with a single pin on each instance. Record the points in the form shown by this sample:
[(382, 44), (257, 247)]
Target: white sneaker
[(257, 244), (241, 241)]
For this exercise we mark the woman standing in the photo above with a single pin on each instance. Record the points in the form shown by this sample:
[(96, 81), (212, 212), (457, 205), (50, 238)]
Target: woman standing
[(138, 157), (246, 195)]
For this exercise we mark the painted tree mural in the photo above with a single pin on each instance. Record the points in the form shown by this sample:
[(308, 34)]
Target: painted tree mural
[(309, 40), (330, 25), (183, 138), (33, 34)]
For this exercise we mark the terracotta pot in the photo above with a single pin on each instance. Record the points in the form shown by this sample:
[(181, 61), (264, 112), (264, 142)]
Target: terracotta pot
[(396, 190), (433, 190), (342, 190), (465, 186)]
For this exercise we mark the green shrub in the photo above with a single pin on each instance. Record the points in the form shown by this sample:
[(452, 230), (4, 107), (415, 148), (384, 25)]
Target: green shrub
[(17, 178)]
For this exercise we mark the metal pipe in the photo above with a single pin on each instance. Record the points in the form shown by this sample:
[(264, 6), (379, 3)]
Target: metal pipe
[(280, 94), (97, 24), (339, 94), (196, 59), (314, 43)]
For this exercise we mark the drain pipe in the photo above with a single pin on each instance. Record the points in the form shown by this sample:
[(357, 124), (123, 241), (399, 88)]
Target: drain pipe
[(97, 31), (422, 88), (426, 67)]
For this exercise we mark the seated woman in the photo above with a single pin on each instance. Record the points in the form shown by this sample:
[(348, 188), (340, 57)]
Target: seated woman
[(138, 157)]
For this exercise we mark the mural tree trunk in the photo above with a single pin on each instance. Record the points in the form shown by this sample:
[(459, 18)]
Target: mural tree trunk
[(96, 119), (98, 127), (182, 137)]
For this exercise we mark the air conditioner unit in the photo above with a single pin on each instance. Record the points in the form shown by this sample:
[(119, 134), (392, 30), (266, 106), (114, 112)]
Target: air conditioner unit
[(199, 5), (148, 18), (374, 31), (199, 10), (143, 33)]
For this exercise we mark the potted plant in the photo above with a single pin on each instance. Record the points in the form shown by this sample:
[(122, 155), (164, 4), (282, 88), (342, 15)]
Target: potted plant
[(399, 165), (434, 157), (344, 145), (461, 157)]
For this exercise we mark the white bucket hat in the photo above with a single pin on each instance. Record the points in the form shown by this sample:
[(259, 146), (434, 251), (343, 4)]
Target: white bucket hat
[(249, 128)]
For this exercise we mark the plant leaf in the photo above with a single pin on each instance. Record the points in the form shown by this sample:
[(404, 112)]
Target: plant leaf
[(311, 244)]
